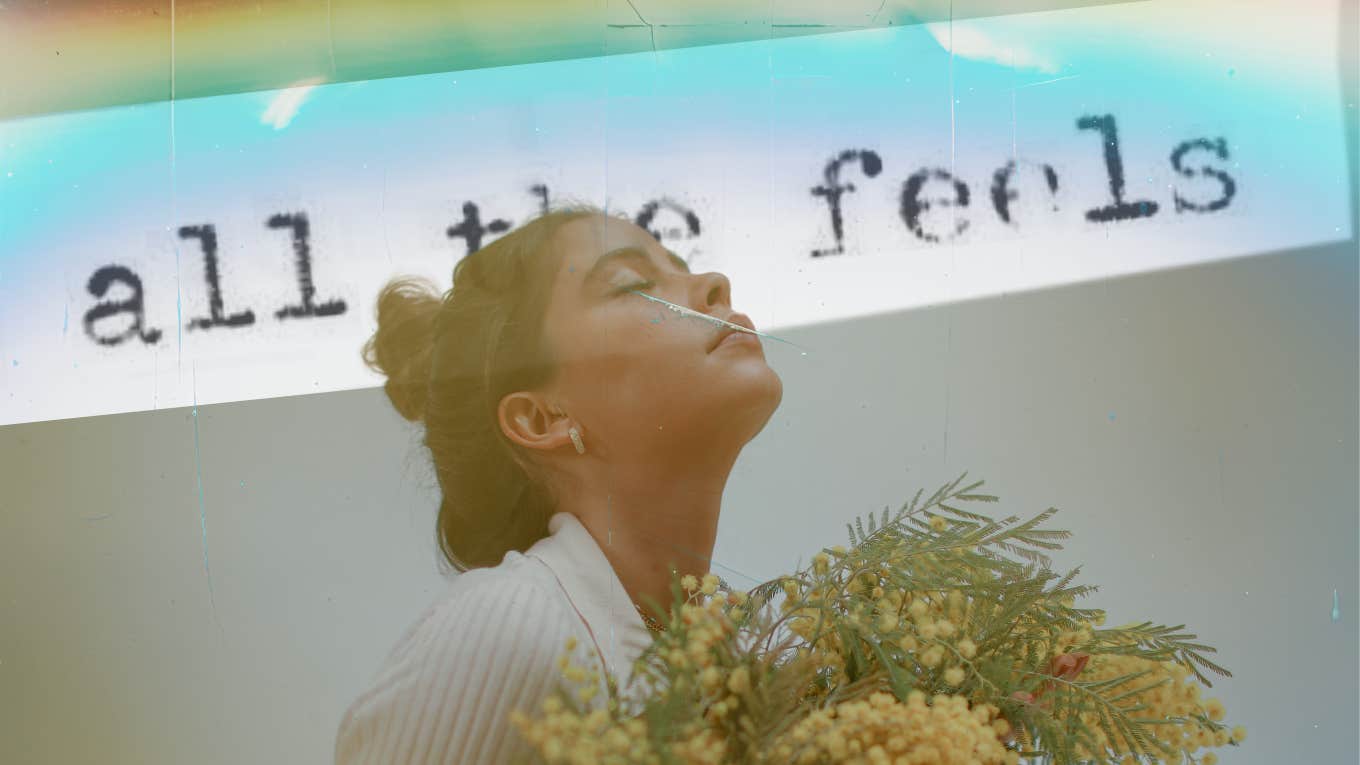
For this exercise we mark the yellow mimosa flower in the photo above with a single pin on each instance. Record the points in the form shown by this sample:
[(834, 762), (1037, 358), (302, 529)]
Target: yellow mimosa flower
[(739, 681), (1214, 708), (710, 584), (821, 562), (710, 678), (932, 656), (918, 608)]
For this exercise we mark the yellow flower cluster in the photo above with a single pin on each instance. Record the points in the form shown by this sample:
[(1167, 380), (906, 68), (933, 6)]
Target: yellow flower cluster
[(702, 627), (881, 730), (943, 621), (1177, 697), (1065, 640), (930, 628), (709, 586), (565, 737), (719, 689), (705, 747)]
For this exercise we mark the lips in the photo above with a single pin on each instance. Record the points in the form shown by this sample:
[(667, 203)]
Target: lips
[(739, 319)]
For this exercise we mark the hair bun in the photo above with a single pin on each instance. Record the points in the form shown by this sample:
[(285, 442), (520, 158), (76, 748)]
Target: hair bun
[(403, 346)]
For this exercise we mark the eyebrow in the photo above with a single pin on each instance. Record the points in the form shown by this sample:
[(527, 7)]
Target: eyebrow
[(630, 251)]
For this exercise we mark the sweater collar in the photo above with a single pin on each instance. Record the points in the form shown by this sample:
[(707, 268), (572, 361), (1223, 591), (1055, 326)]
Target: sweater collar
[(594, 589)]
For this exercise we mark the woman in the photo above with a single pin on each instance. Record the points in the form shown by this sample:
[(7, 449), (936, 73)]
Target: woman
[(583, 419)]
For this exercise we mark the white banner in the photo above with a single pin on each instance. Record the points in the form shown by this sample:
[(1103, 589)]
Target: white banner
[(230, 248)]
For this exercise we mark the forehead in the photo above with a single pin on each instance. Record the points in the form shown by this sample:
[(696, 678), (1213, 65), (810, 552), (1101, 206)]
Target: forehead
[(584, 239)]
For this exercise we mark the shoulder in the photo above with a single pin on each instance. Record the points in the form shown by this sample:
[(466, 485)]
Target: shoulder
[(488, 644), (515, 605)]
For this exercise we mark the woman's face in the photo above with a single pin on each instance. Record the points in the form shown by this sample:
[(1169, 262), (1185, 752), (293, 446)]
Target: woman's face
[(641, 378)]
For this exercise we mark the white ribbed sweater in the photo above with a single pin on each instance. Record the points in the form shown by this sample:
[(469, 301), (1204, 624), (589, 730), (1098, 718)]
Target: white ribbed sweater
[(488, 645)]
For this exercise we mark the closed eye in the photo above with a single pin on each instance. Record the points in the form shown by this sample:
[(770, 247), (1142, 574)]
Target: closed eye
[(634, 286)]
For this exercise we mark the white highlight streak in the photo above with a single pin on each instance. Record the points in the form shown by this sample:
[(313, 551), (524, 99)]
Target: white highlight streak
[(969, 41), (281, 110)]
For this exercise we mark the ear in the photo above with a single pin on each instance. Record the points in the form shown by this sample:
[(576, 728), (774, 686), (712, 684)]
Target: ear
[(528, 420)]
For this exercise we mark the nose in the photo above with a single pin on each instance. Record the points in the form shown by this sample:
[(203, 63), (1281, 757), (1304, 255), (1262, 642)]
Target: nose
[(710, 289)]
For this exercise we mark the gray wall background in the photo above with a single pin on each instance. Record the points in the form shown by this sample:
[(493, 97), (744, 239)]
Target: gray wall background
[(1196, 428)]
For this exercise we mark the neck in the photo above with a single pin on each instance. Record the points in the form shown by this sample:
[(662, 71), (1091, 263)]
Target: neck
[(649, 525)]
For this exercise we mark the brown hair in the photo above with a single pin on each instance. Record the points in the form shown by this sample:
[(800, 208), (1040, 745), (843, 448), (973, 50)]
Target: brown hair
[(449, 362)]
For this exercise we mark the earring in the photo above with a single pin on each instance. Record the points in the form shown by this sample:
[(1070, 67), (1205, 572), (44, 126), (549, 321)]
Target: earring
[(576, 439)]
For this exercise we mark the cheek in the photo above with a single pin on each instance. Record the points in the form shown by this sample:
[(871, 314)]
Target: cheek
[(631, 348), (651, 361)]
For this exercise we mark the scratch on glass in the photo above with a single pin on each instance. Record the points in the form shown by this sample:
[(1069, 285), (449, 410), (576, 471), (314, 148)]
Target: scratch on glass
[(683, 310), (202, 508)]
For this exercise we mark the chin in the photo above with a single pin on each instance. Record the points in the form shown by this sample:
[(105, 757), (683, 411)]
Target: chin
[(776, 397), (763, 394)]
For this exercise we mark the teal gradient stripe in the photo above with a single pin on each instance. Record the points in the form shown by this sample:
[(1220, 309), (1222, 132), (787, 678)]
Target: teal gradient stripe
[(94, 166)]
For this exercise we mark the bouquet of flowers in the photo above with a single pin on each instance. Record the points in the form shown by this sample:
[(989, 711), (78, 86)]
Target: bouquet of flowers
[(939, 635)]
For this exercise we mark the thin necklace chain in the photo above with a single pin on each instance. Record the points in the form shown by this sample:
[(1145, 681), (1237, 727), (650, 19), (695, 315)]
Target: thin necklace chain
[(649, 620), (656, 626)]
